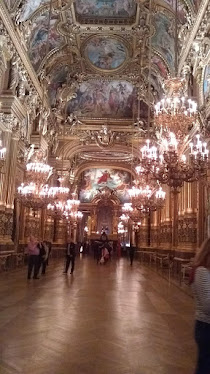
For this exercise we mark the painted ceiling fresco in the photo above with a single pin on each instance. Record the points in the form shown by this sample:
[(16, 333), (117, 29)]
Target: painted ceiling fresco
[(104, 99), (93, 180), (206, 83), (106, 53), (59, 76), (159, 64), (106, 8), (38, 40), (30, 7), (105, 59), (163, 40)]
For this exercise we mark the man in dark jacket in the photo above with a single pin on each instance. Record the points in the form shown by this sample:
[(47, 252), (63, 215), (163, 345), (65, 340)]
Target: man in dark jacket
[(131, 254), (70, 257)]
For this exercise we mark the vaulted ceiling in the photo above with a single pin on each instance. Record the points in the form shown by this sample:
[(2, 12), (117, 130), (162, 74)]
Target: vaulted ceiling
[(94, 58), (97, 55)]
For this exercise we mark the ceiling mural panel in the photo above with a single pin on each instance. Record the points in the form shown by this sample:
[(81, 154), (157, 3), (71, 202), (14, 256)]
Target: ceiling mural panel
[(30, 7), (206, 83), (106, 53), (104, 99), (161, 67), (94, 180), (163, 40), (38, 40), (59, 76), (106, 8)]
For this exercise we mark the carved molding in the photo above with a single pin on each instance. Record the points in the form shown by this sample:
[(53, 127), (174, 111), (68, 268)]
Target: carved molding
[(200, 23)]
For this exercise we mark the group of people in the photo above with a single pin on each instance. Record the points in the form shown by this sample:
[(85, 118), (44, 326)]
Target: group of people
[(38, 256), (39, 251)]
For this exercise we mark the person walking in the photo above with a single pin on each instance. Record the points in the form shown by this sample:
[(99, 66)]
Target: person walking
[(70, 257), (131, 254), (33, 259), (118, 248), (200, 281), (42, 254), (45, 257)]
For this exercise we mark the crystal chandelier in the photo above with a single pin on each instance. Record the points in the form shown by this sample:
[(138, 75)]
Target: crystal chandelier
[(33, 196), (135, 215), (71, 212), (59, 196), (176, 112), (35, 192), (127, 207), (125, 218), (170, 165), (147, 198), (121, 229)]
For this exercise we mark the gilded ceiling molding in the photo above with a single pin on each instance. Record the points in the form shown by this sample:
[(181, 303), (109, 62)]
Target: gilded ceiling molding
[(69, 149), (15, 47), (197, 32)]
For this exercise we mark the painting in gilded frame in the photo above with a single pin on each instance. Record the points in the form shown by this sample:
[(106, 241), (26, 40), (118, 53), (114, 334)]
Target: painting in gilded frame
[(106, 53), (106, 8), (29, 7), (94, 180), (38, 40), (59, 76), (163, 39), (104, 99)]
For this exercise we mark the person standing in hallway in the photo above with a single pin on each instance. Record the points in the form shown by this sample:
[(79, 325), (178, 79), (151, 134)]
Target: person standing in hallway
[(131, 254), (70, 257), (42, 254), (33, 259), (118, 249), (45, 257), (200, 280)]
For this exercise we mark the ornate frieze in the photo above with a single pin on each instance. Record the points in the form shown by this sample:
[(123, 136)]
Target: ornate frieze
[(196, 37)]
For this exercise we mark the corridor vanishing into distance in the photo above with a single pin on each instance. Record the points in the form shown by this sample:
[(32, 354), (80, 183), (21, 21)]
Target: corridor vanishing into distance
[(110, 319)]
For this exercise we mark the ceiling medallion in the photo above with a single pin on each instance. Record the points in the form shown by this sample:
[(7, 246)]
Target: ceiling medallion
[(106, 53)]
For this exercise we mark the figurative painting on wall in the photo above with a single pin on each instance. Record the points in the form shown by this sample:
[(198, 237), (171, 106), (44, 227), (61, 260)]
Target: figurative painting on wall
[(106, 8), (104, 99), (30, 7), (106, 53), (163, 40), (206, 83), (38, 40), (93, 180), (158, 62), (59, 76)]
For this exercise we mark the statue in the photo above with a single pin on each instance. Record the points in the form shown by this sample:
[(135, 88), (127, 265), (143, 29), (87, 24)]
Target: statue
[(104, 137), (14, 74)]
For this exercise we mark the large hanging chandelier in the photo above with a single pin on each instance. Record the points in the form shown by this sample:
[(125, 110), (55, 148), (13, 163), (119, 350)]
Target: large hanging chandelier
[(34, 193), (59, 197), (147, 198), (170, 163), (71, 212), (176, 112)]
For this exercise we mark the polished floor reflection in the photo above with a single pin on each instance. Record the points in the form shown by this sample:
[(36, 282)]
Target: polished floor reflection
[(110, 319)]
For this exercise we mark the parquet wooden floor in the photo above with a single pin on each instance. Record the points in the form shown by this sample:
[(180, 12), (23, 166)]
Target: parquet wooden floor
[(109, 319)]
